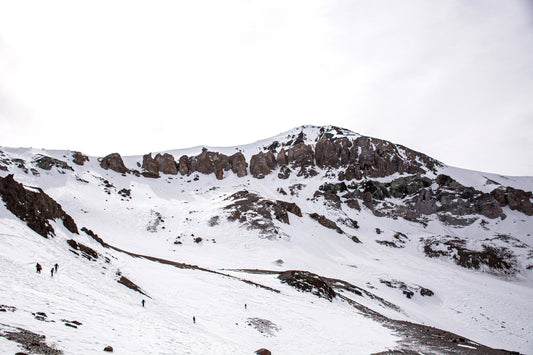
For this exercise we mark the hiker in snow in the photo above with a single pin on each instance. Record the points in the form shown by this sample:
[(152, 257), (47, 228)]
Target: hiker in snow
[(245, 306), (38, 268), (52, 272), (55, 267), (142, 302), (193, 319)]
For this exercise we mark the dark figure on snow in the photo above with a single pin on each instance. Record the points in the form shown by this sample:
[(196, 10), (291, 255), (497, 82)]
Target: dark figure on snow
[(194, 319), (55, 267), (142, 302), (52, 272), (38, 268), (245, 306)]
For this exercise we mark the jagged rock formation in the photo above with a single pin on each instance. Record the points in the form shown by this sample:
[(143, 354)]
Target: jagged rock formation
[(262, 164), (308, 282), (79, 158), (34, 207), (516, 199), (163, 163), (114, 162), (258, 213), (46, 163)]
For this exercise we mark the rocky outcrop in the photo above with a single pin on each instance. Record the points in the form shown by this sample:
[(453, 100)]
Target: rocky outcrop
[(409, 185), (262, 164), (516, 199), (257, 212), (206, 163), (328, 223), (34, 207), (213, 163), (308, 282), (47, 163), (79, 159), (166, 164), (301, 155), (150, 167), (114, 162), (238, 164), (184, 165), (163, 163)]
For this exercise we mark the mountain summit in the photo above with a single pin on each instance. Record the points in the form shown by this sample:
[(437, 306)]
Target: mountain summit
[(318, 240)]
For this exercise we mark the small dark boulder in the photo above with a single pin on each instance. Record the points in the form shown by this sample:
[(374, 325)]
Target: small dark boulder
[(263, 351), (108, 349)]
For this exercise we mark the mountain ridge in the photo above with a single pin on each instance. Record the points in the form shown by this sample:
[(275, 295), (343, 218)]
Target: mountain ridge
[(432, 247)]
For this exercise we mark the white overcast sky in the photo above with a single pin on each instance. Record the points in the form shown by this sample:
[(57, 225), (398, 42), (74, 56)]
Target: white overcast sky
[(450, 78)]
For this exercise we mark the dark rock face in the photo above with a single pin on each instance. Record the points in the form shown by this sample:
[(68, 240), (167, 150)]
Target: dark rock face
[(450, 200), (281, 158), (123, 280), (166, 164), (161, 163), (34, 207), (308, 282), (516, 199), (86, 252), (238, 164), (150, 166), (256, 212), (328, 223), (206, 163), (496, 258), (262, 164), (404, 186), (301, 155), (79, 158), (184, 165), (46, 163), (114, 162)]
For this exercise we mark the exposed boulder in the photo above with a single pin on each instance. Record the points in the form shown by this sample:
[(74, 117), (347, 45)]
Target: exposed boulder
[(284, 172), (257, 213), (46, 163), (238, 164), (516, 199), (34, 207), (301, 155), (150, 166), (86, 252), (261, 164), (166, 164), (184, 165), (210, 162), (308, 282), (409, 185), (326, 153), (263, 351), (328, 223), (114, 162), (79, 158), (282, 157)]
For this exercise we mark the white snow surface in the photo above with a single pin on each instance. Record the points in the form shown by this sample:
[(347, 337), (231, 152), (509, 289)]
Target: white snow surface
[(491, 309)]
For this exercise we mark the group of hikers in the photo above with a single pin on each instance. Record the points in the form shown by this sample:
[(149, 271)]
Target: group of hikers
[(54, 268)]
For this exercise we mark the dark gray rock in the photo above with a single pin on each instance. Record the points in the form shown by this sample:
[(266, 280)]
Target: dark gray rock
[(114, 162)]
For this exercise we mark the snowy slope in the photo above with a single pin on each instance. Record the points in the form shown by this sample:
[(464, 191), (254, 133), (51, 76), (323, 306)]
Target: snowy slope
[(161, 218)]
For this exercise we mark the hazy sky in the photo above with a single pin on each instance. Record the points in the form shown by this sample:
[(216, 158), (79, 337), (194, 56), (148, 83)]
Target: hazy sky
[(450, 78)]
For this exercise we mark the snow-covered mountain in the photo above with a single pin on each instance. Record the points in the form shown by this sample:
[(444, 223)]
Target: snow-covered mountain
[(316, 241)]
